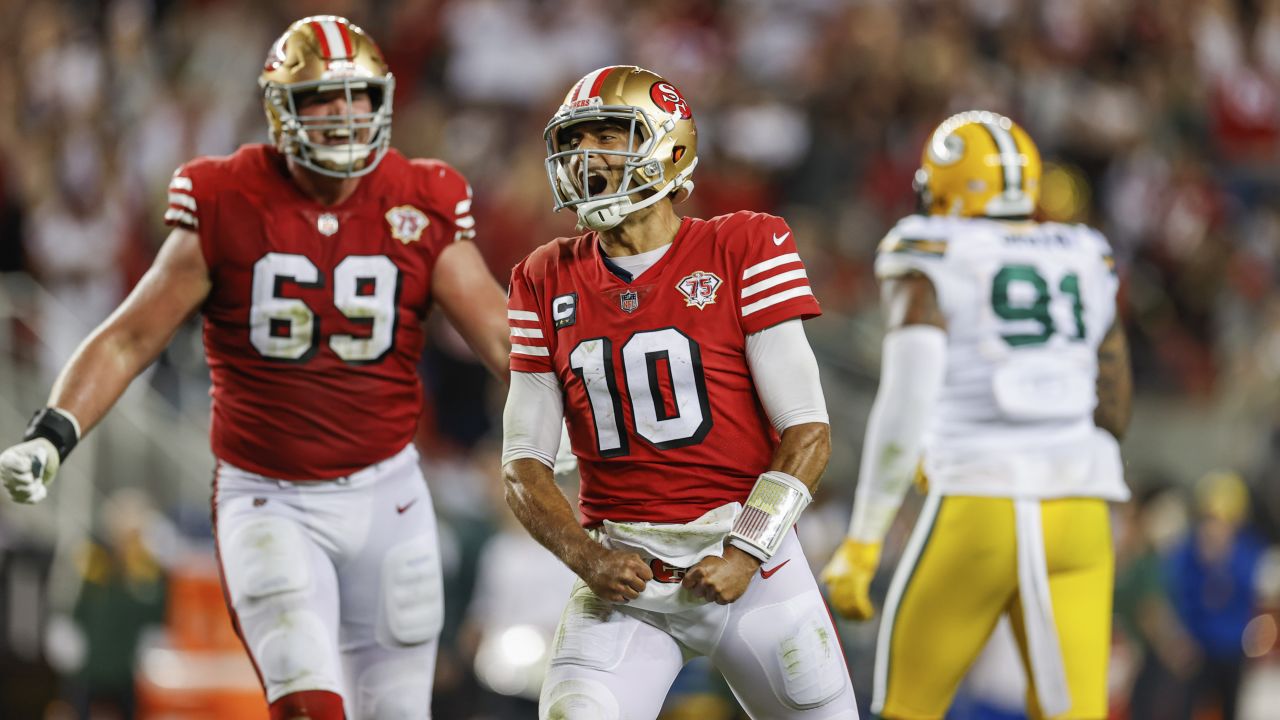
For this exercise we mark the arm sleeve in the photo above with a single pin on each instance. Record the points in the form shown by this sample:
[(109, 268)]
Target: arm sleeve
[(773, 282), (532, 420), (911, 376), (530, 348), (785, 373)]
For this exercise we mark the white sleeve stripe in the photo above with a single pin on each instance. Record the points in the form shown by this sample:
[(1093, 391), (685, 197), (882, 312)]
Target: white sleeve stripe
[(177, 182), (466, 222), (526, 332), (182, 200), (529, 350), (522, 315), (774, 281), (770, 264), (463, 207), (181, 216), (776, 298)]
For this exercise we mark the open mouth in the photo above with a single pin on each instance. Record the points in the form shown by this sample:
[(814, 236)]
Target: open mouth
[(596, 183), (337, 136)]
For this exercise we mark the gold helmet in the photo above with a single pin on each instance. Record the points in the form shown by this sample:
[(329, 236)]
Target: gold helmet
[(326, 53), (661, 157), (978, 163)]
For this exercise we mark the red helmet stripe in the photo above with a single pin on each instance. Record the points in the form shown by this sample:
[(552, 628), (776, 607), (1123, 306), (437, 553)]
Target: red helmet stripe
[(346, 39), (318, 29), (599, 83)]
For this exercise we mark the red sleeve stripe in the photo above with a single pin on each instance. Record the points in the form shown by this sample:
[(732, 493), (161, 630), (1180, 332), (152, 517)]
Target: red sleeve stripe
[(776, 298), (182, 200), (775, 281), (529, 350), (770, 264), (181, 217)]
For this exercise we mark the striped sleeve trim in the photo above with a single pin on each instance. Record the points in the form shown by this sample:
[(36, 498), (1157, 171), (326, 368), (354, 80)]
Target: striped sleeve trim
[(776, 281), (463, 219), (526, 336), (182, 204)]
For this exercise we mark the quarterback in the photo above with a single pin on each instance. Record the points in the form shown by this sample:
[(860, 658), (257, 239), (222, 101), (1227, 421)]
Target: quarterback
[(314, 262), (673, 349), (1004, 387)]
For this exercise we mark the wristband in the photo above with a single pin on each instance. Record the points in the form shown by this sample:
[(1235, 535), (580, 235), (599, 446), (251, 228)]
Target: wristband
[(58, 427), (771, 509)]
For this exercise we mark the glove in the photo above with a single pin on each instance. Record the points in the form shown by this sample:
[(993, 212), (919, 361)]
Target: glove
[(848, 578), (27, 468)]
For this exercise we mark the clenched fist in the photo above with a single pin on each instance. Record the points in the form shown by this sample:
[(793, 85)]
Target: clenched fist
[(27, 468), (721, 579), (617, 576), (848, 578)]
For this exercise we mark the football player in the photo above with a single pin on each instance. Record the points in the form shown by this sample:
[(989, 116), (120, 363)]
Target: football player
[(1005, 378), (673, 348), (315, 261)]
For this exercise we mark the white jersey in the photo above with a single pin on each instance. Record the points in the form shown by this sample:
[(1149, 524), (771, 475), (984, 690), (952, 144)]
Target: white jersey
[(1026, 306)]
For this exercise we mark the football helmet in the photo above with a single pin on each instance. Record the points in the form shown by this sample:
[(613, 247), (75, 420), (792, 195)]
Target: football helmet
[(978, 163), (326, 53), (661, 157)]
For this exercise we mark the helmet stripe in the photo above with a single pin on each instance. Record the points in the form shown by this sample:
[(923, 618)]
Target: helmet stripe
[(590, 85), (346, 39), (599, 81), (334, 40), (322, 38), (1008, 149)]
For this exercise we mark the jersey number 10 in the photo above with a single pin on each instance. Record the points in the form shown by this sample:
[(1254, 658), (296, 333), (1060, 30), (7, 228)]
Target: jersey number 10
[(1038, 309), (643, 355)]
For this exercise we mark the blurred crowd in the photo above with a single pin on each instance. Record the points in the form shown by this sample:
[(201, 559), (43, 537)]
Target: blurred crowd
[(1159, 121)]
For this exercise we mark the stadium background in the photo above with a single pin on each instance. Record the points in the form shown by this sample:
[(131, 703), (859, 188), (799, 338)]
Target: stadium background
[(1159, 121)]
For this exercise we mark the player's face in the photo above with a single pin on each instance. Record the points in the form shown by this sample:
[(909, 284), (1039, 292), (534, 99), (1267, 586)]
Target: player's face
[(604, 172), (334, 104)]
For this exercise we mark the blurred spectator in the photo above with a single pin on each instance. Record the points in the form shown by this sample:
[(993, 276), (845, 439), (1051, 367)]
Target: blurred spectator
[(122, 595), (1165, 656), (1213, 579)]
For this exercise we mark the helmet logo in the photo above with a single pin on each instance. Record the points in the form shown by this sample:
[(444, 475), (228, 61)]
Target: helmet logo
[(667, 97), (699, 289), (407, 223)]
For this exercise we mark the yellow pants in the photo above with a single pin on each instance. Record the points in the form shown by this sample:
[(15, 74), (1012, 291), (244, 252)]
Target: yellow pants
[(960, 575)]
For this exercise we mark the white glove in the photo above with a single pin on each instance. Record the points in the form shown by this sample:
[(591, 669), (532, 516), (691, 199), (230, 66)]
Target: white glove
[(27, 468)]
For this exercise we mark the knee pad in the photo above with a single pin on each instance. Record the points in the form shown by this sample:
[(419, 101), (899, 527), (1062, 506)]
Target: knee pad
[(267, 556), (577, 699), (591, 632), (796, 644), (295, 651), (308, 704), (413, 593)]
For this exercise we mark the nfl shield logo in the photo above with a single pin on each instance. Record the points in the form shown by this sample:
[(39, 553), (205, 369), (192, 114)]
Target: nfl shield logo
[(629, 301)]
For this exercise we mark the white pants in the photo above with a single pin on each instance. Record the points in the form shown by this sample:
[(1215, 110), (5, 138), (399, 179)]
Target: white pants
[(336, 585), (776, 647)]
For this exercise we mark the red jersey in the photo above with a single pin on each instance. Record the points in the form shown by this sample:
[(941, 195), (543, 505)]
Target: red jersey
[(659, 401), (313, 326)]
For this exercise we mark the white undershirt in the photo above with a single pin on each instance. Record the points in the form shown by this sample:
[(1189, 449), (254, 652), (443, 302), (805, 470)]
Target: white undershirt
[(634, 265), (783, 369)]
